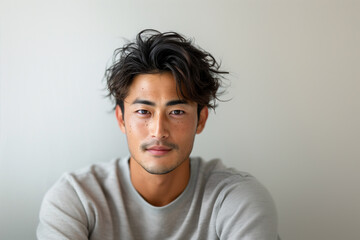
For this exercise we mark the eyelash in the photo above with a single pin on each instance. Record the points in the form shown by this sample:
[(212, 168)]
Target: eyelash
[(142, 110), (173, 112), (180, 112)]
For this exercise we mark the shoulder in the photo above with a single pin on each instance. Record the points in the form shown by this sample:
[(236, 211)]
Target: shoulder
[(86, 185), (99, 170), (230, 183), (77, 181), (243, 206), (215, 173), (74, 200)]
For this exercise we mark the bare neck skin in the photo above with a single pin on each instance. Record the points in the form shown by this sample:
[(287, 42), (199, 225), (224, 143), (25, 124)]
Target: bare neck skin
[(159, 190)]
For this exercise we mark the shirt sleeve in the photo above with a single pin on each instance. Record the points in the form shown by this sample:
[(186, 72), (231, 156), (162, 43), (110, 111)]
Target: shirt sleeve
[(246, 211), (62, 215)]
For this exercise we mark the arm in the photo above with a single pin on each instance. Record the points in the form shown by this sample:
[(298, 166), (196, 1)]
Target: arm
[(246, 212), (62, 215)]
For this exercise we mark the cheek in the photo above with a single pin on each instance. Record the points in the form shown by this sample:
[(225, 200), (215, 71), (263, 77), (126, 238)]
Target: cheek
[(185, 129), (136, 127)]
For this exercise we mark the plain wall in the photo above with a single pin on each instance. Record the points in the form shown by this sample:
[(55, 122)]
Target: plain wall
[(292, 121)]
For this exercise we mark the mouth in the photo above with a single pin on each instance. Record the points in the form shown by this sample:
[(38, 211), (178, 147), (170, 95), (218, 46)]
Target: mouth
[(158, 150)]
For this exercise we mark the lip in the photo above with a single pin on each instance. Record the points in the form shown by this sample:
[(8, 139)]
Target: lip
[(158, 150)]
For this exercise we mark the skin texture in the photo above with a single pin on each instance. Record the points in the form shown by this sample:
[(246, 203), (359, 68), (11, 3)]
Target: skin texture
[(160, 128)]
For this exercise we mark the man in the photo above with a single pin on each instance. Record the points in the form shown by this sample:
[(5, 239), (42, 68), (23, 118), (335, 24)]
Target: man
[(163, 86)]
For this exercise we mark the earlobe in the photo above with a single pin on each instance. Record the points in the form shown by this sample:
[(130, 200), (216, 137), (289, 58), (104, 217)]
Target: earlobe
[(202, 119), (119, 118)]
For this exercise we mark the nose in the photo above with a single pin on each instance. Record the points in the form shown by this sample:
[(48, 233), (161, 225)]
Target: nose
[(159, 126)]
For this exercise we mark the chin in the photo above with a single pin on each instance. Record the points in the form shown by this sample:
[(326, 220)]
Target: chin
[(159, 172), (158, 169)]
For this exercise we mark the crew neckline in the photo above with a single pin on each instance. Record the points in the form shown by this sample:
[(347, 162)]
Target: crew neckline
[(194, 165)]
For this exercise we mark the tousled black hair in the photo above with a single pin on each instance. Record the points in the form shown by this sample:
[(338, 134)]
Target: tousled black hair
[(196, 71)]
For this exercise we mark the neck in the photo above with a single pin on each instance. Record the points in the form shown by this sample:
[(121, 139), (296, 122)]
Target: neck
[(160, 190)]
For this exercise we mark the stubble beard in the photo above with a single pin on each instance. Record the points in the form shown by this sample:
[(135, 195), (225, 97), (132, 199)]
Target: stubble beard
[(159, 170)]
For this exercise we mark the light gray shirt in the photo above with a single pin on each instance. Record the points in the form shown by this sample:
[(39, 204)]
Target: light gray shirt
[(100, 203)]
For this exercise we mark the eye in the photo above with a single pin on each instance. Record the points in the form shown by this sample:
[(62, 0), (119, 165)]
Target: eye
[(142, 112), (177, 112)]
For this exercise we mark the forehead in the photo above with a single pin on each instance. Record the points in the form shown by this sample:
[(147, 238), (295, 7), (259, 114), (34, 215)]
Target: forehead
[(153, 86)]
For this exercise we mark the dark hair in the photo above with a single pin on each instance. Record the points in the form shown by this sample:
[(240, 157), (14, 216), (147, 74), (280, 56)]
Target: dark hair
[(196, 71)]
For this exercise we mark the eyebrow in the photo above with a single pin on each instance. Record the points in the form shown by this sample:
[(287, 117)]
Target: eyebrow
[(170, 103), (176, 102), (146, 102)]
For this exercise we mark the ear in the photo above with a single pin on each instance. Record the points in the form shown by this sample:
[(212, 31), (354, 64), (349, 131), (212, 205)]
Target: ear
[(202, 119), (119, 117)]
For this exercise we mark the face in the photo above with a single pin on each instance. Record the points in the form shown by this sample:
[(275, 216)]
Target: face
[(160, 126)]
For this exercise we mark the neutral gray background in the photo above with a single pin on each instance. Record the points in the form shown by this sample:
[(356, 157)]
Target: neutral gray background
[(293, 120)]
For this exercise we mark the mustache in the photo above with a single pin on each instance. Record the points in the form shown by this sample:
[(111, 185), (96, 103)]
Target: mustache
[(147, 145)]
